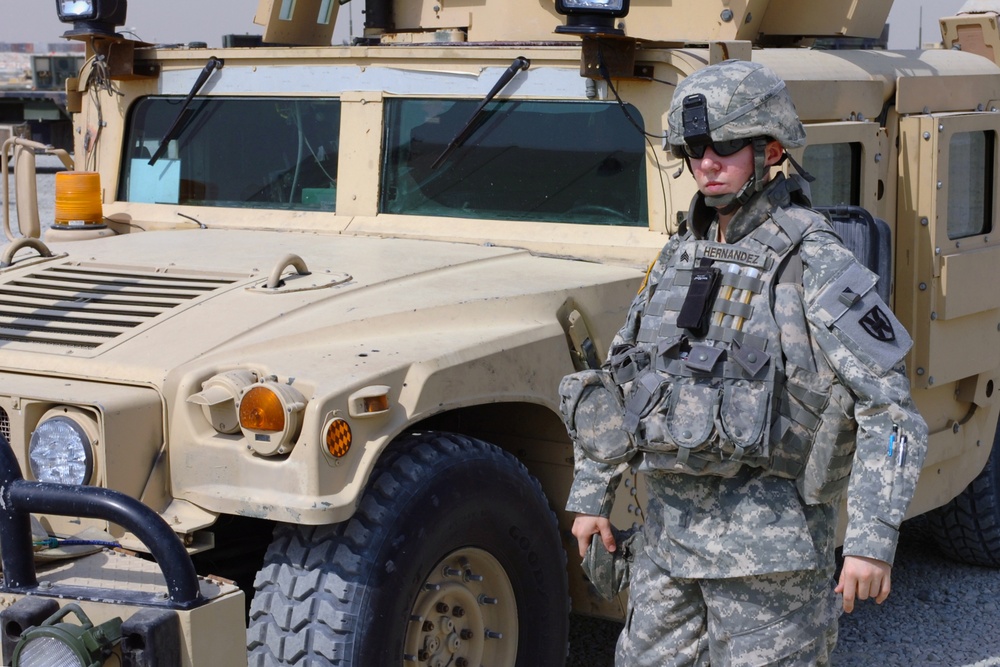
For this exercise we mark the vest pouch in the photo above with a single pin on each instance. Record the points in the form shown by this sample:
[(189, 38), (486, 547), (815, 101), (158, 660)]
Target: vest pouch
[(828, 467), (645, 394), (696, 311), (592, 410), (627, 362), (745, 415), (689, 421), (815, 443)]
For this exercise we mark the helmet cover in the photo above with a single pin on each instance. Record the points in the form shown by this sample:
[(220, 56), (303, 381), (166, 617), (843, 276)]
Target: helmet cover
[(741, 100)]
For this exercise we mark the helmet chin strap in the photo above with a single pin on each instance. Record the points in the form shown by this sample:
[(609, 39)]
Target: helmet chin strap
[(728, 203)]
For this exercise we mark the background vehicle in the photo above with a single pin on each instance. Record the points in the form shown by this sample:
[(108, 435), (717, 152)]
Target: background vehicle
[(320, 308)]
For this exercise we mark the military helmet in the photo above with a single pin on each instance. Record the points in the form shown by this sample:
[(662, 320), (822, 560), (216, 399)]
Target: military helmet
[(735, 99)]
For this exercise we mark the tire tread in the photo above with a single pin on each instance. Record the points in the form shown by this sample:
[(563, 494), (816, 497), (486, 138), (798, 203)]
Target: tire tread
[(308, 594)]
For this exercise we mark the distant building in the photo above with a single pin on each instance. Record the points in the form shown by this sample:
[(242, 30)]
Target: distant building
[(39, 47)]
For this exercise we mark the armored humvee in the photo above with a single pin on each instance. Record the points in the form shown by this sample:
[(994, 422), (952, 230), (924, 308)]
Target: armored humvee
[(310, 304)]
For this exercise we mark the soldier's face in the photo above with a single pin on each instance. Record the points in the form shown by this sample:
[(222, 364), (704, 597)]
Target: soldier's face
[(722, 175), (725, 174)]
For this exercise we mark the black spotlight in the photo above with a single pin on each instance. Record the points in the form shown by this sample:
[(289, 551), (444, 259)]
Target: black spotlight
[(92, 17), (591, 17)]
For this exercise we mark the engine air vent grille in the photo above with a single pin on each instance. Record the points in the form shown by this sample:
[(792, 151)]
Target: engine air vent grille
[(86, 306)]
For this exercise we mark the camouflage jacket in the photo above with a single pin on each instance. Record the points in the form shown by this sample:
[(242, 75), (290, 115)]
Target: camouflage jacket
[(754, 522)]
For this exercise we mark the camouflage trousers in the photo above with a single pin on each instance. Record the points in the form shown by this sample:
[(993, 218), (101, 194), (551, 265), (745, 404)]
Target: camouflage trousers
[(787, 619)]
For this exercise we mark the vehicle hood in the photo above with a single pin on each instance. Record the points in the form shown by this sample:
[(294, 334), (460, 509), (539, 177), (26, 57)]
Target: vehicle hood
[(130, 308)]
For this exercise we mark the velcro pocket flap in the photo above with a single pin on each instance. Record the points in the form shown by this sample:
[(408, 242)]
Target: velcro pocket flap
[(841, 294), (702, 358)]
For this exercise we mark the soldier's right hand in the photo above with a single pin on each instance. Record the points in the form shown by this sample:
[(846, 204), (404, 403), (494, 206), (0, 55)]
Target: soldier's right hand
[(586, 525)]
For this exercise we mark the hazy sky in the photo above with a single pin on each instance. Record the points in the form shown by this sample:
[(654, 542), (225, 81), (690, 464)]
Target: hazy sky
[(207, 20)]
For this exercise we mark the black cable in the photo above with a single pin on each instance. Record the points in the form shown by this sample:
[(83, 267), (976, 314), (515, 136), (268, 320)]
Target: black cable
[(603, 68)]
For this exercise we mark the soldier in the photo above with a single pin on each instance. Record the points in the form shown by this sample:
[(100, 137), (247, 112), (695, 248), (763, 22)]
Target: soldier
[(757, 366)]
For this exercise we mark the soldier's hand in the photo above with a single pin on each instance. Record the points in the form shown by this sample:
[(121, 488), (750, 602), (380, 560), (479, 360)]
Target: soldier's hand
[(862, 578), (586, 525)]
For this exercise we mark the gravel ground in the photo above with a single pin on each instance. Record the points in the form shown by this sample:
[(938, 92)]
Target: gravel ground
[(939, 613)]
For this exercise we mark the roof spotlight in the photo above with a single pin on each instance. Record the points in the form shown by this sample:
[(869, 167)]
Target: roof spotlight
[(92, 17), (591, 17)]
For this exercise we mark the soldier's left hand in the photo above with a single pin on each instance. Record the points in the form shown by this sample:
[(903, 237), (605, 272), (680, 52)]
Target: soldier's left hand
[(862, 578)]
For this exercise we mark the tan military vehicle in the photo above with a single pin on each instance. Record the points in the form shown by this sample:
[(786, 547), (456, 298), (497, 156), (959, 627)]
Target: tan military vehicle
[(310, 304)]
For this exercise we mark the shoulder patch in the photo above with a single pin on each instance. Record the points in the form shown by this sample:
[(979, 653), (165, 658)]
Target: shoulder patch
[(878, 325), (851, 308)]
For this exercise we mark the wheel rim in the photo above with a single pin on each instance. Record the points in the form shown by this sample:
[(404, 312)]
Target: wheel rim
[(465, 615)]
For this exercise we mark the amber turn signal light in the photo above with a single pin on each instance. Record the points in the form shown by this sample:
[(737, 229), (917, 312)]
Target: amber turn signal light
[(338, 438), (261, 410)]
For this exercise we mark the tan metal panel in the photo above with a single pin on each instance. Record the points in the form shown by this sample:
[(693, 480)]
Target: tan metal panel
[(302, 26), (972, 80), (854, 18), (962, 280)]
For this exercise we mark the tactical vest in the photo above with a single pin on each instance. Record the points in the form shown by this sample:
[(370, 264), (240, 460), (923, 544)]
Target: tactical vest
[(706, 387)]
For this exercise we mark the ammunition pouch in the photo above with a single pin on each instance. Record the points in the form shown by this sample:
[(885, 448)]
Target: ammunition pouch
[(592, 411), (702, 409)]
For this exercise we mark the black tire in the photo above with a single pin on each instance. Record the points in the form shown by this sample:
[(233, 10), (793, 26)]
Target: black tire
[(967, 528), (452, 558)]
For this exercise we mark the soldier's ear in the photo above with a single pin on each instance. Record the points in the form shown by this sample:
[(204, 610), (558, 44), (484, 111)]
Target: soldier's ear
[(773, 153)]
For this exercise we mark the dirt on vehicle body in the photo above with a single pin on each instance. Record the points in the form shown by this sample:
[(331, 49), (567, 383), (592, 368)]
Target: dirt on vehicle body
[(329, 293)]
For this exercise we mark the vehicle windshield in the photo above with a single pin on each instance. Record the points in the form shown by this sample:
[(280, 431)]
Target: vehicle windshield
[(577, 162), (274, 153)]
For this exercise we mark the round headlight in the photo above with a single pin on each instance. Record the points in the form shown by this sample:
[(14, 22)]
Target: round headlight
[(54, 644), (49, 651), (61, 451)]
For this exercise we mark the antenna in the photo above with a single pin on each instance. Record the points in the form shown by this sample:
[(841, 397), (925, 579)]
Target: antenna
[(920, 29)]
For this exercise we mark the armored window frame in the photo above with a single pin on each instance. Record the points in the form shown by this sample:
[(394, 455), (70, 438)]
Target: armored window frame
[(860, 180)]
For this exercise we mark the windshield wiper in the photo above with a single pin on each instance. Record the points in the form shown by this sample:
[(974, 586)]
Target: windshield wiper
[(182, 117), (520, 63)]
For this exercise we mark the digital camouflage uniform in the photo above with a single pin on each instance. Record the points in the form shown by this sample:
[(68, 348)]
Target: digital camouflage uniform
[(740, 528)]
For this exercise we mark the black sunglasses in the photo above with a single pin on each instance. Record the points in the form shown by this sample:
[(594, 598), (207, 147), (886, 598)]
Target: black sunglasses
[(720, 148)]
